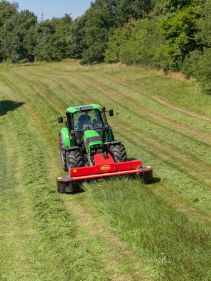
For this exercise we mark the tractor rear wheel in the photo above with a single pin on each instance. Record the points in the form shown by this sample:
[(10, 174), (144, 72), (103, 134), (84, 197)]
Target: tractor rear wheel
[(118, 152), (74, 159), (63, 154)]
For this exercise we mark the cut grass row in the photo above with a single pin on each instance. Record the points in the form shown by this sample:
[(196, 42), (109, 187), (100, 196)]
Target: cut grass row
[(172, 247), (174, 151), (54, 252)]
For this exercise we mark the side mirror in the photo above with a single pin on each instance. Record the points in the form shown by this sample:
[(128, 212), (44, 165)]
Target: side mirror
[(103, 109), (60, 119), (111, 112)]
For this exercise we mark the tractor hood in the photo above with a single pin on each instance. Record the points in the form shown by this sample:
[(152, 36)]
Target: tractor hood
[(91, 138)]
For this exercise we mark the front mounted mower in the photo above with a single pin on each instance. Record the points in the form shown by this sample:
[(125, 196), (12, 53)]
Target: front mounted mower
[(89, 151)]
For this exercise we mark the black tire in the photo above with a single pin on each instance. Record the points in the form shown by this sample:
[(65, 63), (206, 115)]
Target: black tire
[(65, 187), (147, 178), (63, 154), (74, 159), (118, 152)]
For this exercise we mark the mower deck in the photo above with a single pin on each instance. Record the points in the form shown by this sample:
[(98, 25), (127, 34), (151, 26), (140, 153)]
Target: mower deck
[(103, 168)]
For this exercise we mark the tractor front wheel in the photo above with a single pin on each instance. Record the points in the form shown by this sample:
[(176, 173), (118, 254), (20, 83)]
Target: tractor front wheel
[(118, 152)]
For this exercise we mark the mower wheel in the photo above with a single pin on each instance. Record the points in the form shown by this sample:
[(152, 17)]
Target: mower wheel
[(74, 159), (118, 152), (63, 154), (147, 177), (65, 187)]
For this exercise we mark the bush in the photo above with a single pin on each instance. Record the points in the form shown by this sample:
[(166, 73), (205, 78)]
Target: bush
[(146, 46), (203, 72), (117, 39), (198, 65)]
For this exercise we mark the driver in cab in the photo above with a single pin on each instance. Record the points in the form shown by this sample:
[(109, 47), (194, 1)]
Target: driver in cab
[(84, 119)]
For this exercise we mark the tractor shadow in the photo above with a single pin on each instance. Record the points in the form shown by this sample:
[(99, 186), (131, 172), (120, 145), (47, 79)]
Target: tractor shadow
[(9, 105)]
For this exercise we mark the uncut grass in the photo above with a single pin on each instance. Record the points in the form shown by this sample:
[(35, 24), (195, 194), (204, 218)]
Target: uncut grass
[(175, 248), (185, 222)]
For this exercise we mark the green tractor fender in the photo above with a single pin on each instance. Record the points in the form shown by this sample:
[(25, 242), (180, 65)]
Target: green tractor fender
[(65, 137)]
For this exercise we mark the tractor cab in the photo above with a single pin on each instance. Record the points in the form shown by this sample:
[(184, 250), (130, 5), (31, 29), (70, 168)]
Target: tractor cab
[(88, 118)]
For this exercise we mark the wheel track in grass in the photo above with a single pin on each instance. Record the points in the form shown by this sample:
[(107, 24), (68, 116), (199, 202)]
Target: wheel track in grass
[(33, 242), (163, 159), (115, 273), (61, 270), (116, 248), (15, 227), (158, 99), (149, 96), (160, 121), (25, 261), (153, 116), (29, 112)]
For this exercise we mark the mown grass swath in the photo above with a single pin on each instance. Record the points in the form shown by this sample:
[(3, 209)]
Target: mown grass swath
[(165, 224), (55, 252)]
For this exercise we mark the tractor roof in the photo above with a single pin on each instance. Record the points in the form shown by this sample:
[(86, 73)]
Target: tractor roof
[(81, 108)]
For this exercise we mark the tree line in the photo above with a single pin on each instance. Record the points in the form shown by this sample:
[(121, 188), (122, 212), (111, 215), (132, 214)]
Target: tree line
[(172, 35)]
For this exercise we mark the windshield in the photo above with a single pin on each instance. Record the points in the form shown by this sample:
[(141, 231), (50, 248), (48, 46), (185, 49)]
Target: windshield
[(88, 120)]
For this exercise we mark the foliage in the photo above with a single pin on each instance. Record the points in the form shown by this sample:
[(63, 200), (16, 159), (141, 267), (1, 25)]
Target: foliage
[(204, 25), (54, 39), (118, 37), (179, 30), (166, 34), (198, 65), (102, 18), (6, 11), (16, 39), (146, 46)]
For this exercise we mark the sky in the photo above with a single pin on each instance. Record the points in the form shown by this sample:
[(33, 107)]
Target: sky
[(54, 8)]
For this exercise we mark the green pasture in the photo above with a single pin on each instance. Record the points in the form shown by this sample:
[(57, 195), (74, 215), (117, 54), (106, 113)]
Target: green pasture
[(115, 229)]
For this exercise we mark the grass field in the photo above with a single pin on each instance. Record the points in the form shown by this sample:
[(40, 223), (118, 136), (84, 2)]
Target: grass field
[(116, 229)]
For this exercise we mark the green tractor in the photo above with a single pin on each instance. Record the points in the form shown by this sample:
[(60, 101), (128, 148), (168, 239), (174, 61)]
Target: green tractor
[(89, 151)]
